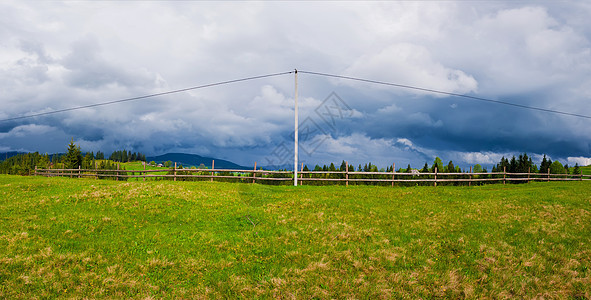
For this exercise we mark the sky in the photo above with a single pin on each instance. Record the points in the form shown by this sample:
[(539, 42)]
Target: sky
[(56, 55)]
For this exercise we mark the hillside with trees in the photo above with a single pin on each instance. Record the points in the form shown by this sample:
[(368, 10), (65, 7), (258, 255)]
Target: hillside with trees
[(74, 158)]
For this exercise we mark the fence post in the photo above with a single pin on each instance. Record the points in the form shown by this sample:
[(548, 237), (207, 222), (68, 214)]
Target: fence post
[(117, 177), (528, 171), (393, 172), (254, 174), (301, 182), (504, 174), (470, 182), (174, 172), (347, 173), (548, 174), (145, 163), (435, 183), (79, 167), (35, 170), (212, 167)]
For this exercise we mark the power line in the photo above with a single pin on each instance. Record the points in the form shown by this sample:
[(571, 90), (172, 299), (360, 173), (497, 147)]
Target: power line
[(304, 72), (446, 93), (146, 96)]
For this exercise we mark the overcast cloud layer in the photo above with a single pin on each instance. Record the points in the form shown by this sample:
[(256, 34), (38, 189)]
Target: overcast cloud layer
[(57, 55)]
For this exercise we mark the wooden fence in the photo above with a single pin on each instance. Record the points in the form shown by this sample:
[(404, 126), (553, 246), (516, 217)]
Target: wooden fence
[(312, 177)]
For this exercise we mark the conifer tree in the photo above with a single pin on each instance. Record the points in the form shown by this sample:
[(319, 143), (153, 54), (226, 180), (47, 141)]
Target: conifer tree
[(450, 167), (73, 158), (425, 168), (545, 165), (576, 169), (343, 166)]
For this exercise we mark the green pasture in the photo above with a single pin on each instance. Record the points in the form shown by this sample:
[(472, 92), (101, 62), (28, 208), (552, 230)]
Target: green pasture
[(85, 238)]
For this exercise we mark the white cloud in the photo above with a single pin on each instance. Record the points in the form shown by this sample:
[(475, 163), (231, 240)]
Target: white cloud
[(56, 55), (479, 157), (26, 130), (410, 64), (582, 161), (390, 109), (405, 142)]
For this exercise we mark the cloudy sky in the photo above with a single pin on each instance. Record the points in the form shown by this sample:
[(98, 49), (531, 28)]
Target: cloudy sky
[(59, 55)]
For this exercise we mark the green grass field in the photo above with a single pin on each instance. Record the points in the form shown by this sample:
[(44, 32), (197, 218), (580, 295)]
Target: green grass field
[(77, 238)]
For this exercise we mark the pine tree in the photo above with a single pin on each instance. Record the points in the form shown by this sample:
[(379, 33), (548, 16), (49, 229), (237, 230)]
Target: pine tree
[(343, 166), (74, 156), (545, 165), (100, 155), (88, 161), (425, 168), (512, 165), (450, 167), (576, 169)]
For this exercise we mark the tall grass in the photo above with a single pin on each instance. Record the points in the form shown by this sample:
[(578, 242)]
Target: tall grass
[(75, 238)]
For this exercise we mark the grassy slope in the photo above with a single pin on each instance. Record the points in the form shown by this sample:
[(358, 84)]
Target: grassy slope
[(74, 238)]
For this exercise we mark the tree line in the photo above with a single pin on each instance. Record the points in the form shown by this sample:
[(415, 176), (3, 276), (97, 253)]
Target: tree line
[(24, 164), (521, 164)]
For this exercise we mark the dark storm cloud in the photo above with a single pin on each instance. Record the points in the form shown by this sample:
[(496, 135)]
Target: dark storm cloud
[(533, 54)]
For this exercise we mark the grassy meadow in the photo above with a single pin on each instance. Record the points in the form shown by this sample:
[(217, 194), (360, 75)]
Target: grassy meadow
[(76, 238)]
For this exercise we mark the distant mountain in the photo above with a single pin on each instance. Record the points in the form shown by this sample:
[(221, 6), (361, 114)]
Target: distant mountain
[(188, 160), (7, 155)]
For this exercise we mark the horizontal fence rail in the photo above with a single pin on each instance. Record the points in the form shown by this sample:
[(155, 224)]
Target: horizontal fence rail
[(311, 177)]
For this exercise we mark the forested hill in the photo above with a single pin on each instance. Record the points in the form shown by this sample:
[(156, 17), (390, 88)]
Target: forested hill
[(188, 160), (7, 155)]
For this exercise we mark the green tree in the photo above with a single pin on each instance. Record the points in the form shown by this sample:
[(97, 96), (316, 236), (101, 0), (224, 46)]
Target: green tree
[(332, 168), (512, 165), (373, 168), (100, 155), (343, 166), (576, 169), (545, 165), (477, 168), (88, 161), (73, 156), (437, 163), (556, 168), (425, 168), (450, 167)]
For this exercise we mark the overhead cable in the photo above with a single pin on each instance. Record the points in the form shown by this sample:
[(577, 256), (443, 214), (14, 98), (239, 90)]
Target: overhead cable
[(145, 96), (446, 93)]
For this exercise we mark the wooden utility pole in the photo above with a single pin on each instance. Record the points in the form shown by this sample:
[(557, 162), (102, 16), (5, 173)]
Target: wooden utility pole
[(295, 159)]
